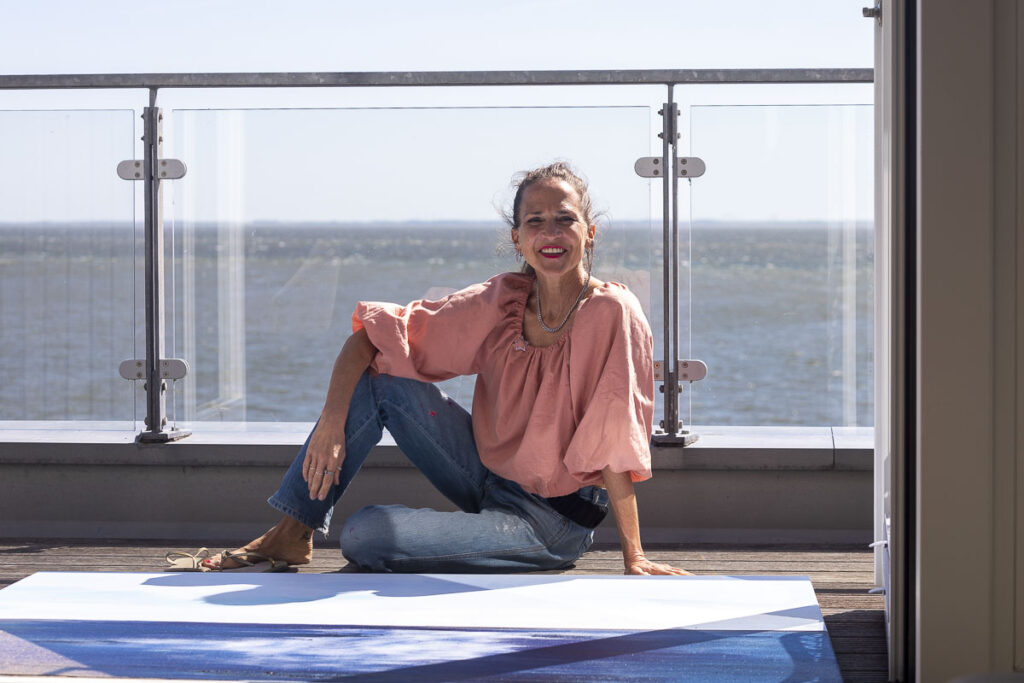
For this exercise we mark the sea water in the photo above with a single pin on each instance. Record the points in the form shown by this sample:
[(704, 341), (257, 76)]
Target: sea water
[(781, 314)]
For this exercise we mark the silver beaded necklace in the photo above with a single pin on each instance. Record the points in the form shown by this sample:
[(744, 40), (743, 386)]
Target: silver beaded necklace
[(540, 316)]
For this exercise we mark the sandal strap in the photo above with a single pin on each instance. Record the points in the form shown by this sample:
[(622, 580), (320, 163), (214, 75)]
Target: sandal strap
[(246, 557), (196, 557)]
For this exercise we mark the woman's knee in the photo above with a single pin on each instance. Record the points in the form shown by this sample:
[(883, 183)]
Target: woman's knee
[(367, 538)]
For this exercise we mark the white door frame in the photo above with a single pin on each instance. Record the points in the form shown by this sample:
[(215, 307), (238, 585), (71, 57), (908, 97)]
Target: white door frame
[(891, 357)]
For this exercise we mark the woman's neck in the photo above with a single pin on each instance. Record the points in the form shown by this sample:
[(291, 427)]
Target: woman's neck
[(559, 294)]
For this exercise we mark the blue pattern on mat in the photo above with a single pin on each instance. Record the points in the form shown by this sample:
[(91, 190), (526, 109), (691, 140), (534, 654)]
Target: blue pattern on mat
[(335, 653)]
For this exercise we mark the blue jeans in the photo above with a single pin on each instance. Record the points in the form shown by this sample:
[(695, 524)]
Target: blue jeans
[(499, 528)]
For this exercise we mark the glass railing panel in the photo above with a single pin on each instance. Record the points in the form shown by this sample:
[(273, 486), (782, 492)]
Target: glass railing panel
[(67, 267), (287, 218), (782, 255)]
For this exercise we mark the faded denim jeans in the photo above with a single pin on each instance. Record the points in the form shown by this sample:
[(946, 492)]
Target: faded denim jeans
[(499, 528)]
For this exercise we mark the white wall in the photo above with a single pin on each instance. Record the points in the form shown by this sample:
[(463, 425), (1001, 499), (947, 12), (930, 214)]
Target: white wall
[(970, 347)]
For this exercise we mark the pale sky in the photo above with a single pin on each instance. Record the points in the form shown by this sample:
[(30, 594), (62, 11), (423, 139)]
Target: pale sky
[(133, 36), (347, 162)]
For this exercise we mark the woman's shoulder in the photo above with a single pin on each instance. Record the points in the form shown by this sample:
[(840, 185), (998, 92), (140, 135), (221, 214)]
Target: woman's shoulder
[(501, 286), (511, 281), (614, 298)]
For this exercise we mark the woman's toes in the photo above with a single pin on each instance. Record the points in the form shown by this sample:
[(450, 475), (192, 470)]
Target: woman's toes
[(219, 561)]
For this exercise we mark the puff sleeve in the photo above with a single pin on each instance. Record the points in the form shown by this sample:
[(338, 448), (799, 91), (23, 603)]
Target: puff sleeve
[(612, 380), (431, 340)]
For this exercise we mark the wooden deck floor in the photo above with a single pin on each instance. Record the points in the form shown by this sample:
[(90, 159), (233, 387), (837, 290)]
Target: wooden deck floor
[(841, 577)]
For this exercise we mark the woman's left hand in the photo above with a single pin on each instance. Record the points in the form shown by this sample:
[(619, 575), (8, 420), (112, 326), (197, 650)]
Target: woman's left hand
[(623, 503), (644, 567)]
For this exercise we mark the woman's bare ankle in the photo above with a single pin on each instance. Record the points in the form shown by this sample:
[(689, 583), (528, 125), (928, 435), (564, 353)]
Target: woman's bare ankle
[(289, 540)]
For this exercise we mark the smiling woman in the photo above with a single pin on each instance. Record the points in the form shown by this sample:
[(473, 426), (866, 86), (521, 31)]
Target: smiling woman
[(561, 421), (553, 230)]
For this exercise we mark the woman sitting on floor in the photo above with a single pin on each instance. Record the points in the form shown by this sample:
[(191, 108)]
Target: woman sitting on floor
[(561, 419)]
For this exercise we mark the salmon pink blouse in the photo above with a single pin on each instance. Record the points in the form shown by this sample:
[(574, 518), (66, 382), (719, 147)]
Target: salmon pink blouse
[(549, 418)]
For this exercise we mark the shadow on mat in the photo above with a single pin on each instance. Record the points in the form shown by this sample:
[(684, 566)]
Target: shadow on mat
[(268, 589)]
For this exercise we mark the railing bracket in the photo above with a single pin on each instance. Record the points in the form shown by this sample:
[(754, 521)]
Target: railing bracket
[(162, 436), (166, 169), (168, 368), (686, 370), (686, 167), (680, 438)]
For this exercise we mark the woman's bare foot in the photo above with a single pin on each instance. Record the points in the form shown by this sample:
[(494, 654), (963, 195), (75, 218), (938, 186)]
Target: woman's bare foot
[(289, 540)]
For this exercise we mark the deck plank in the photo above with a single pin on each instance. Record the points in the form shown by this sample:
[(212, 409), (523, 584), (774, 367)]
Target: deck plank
[(841, 576)]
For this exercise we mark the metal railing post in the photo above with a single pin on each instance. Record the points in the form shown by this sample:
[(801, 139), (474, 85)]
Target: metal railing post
[(156, 413), (672, 369), (671, 431), (670, 422)]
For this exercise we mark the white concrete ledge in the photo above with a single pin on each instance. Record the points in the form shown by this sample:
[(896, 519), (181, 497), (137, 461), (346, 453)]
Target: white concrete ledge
[(274, 445), (759, 485)]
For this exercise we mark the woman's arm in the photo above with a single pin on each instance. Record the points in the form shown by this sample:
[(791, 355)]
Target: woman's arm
[(623, 503), (326, 449)]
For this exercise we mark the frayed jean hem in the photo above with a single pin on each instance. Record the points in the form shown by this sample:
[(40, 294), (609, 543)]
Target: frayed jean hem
[(286, 509)]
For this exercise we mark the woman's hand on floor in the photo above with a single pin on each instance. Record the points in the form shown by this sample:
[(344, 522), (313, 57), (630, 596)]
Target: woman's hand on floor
[(644, 567), (321, 467)]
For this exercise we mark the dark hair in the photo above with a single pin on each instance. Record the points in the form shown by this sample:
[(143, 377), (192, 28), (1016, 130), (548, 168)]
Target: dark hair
[(556, 171)]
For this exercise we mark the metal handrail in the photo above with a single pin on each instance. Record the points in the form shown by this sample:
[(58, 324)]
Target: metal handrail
[(375, 79)]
